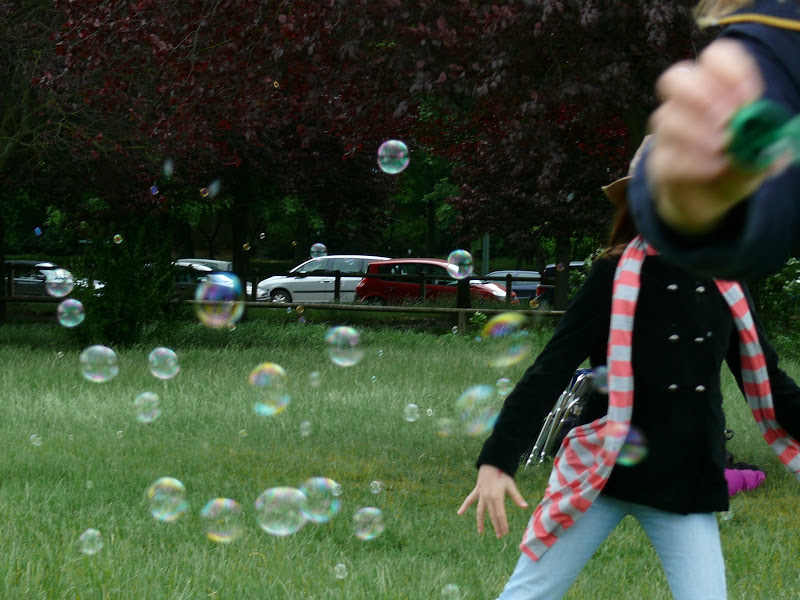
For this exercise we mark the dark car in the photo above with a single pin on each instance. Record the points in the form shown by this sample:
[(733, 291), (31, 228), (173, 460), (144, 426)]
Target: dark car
[(544, 293), (29, 277), (402, 282), (523, 289)]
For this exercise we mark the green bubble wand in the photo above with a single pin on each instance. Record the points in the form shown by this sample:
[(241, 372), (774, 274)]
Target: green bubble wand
[(761, 133)]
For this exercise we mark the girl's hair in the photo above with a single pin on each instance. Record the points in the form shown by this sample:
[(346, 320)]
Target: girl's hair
[(622, 231), (707, 12)]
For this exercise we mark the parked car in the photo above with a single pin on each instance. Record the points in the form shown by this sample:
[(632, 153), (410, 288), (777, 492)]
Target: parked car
[(546, 288), (523, 289), (313, 280), (438, 284), (30, 277), (216, 265), (187, 276)]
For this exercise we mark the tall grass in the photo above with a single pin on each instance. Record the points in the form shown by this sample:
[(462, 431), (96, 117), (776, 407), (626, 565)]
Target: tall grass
[(96, 461)]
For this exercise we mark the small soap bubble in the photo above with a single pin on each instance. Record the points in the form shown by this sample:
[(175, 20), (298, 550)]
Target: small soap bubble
[(168, 168), (167, 498), (504, 386), (479, 408), (163, 363), (220, 300), (89, 484), (301, 320), (533, 304), (560, 267), (60, 354), (314, 379), (153, 190), (289, 310), (634, 449), (300, 309), (726, 515), (460, 264), (246, 246), (393, 157), (147, 408), (214, 188), (243, 433), (445, 427), (600, 379), (231, 326), (454, 330), (37, 231), (223, 520), (70, 313), (509, 343), (204, 192), (35, 440), (279, 510), (262, 235), (411, 412), (368, 523), (451, 592), (305, 428), (373, 379), (99, 364), (318, 250), (119, 433), (340, 571), (321, 504), (375, 487), (294, 242), (270, 384), (58, 282), (118, 239), (380, 352), (343, 347), (429, 412), (276, 84), (337, 490), (90, 542)]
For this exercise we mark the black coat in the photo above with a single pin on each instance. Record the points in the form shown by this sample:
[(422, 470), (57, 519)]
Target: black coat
[(683, 330)]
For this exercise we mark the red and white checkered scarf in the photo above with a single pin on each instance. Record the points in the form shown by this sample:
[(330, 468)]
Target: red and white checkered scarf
[(584, 462)]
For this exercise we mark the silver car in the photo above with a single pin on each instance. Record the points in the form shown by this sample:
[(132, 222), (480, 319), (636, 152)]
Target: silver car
[(313, 280)]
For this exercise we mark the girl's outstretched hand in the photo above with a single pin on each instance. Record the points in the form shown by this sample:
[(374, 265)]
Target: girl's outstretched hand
[(490, 492)]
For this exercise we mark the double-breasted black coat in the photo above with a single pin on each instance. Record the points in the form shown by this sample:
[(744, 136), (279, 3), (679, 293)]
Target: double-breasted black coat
[(683, 331)]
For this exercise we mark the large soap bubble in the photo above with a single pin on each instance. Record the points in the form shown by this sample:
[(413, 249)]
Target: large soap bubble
[(279, 510), (368, 523), (99, 364), (479, 407), (163, 363), (269, 382), (393, 157), (223, 520), (167, 498), (343, 346), (220, 300), (321, 503), (70, 313), (460, 264), (58, 282)]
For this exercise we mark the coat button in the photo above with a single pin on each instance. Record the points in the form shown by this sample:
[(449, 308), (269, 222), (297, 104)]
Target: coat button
[(700, 289), (699, 340), (673, 338), (672, 287), (673, 387), (700, 389)]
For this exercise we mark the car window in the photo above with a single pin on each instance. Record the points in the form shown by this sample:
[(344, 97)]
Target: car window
[(347, 265), (318, 265), (439, 275)]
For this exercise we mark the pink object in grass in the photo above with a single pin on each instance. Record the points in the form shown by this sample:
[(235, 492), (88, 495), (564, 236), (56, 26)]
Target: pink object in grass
[(743, 480)]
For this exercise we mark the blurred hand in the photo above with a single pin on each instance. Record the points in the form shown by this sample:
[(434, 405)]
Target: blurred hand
[(690, 175), (490, 492)]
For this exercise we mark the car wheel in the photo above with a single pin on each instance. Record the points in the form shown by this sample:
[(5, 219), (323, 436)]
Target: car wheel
[(280, 296)]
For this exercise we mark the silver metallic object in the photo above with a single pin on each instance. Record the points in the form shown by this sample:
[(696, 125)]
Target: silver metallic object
[(568, 407)]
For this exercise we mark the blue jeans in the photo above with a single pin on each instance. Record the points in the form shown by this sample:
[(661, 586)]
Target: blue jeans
[(688, 546)]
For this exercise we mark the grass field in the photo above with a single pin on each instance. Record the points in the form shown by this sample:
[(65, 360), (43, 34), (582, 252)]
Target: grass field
[(96, 461)]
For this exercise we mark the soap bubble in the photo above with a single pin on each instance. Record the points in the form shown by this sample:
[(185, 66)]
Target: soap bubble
[(279, 510), (393, 157), (451, 592), (270, 383), (90, 542), (343, 346), (168, 168), (634, 449), (314, 379), (243, 433), (479, 408), (429, 412), (262, 235), (70, 313), (509, 343), (99, 364), (167, 497), (337, 490), (147, 409), (163, 363), (411, 412), (445, 427), (35, 440), (246, 246), (153, 190), (119, 433), (37, 231), (318, 250), (504, 386), (222, 300), (454, 330), (58, 282), (600, 379), (368, 523), (214, 188), (118, 239), (321, 505), (340, 571), (204, 192), (223, 520), (375, 487), (460, 264), (726, 515), (305, 428)]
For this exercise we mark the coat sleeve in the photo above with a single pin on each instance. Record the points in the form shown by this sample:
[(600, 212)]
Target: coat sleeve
[(785, 392), (760, 233), (583, 327)]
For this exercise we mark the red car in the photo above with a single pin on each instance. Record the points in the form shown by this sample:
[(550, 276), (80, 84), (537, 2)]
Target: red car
[(438, 282)]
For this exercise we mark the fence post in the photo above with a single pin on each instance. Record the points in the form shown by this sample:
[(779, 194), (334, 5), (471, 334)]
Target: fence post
[(422, 286), (463, 294), (508, 290), (337, 285), (254, 290), (462, 322)]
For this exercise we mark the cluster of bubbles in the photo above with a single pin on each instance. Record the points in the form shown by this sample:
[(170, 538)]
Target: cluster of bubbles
[(343, 348), (270, 384), (460, 264), (393, 157), (509, 342), (219, 300), (318, 250)]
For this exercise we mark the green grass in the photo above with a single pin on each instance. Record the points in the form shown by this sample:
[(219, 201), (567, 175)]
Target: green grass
[(96, 462)]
